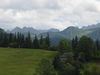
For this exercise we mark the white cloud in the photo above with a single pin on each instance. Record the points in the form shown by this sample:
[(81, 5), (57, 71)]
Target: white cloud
[(45, 14)]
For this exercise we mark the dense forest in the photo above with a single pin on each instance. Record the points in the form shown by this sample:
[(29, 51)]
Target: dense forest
[(19, 40), (75, 57)]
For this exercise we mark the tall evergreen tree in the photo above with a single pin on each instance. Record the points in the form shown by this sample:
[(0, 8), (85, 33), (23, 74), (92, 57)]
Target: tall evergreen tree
[(36, 42), (74, 47), (41, 41), (47, 40), (86, 48), (5, 40), (75, 42), (98, 44), (11, 40), (18, 40), (22, 41), (29, 41)]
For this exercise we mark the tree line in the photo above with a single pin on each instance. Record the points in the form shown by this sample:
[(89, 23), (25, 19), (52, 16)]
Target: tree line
[(75, 57), (19, 40)]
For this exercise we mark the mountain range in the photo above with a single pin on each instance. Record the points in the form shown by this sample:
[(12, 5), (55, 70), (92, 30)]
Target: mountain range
[(92, 31)]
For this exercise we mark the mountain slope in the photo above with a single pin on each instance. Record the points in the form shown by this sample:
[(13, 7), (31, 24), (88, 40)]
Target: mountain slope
[(25, 30), (71, 32), (95, 34)]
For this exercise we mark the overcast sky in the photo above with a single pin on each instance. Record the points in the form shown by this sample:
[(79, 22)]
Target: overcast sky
[(45, 14)]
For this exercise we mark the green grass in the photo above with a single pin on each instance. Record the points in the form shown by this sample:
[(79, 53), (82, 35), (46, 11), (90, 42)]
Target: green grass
[(21, 61)]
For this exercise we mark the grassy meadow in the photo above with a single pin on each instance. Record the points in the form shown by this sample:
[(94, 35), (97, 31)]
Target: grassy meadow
[(21, 61)]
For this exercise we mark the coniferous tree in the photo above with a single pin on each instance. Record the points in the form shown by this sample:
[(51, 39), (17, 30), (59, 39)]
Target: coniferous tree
[(11, 40), (97, 44), (74, 47), (18, 40), (45, 68), (36, 42), (5, 40), (75, 42), (22, 41), (47, 41), (15, 41), (1, 39), (65, 46), (86, 48), (25, 43), (41, 41), (29, 41)]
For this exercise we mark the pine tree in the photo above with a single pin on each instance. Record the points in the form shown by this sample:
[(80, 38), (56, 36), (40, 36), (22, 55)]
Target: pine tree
[(5, 40), (74, 47), (29, 41), (18, 40), (41, 41), (86, 48), (97, 44), (22, 41), (75, 43), (15, 40), (11, 40), (36, 42), (47, 41)]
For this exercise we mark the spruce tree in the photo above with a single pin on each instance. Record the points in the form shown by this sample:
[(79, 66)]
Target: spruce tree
[(97, 44), (75, 42), (74, 47), (29, 41), (86, 48), (5, 40), (41, 41), (36, 42), (47, 41)]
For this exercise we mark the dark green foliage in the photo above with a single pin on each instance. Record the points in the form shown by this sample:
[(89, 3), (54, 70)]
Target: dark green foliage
[(97, 44), (18, 40), (47, 41), (36, 42), (56, 62), (91, 69), (45, 67), (75, 42), (42, 42), (29, 40), (86, 48), (65, 64), (64, 46), (71, 62), (67, 69), (5, 40)]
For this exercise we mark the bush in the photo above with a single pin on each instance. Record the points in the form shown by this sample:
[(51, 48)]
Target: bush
[(91, 69), (45, 68)]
